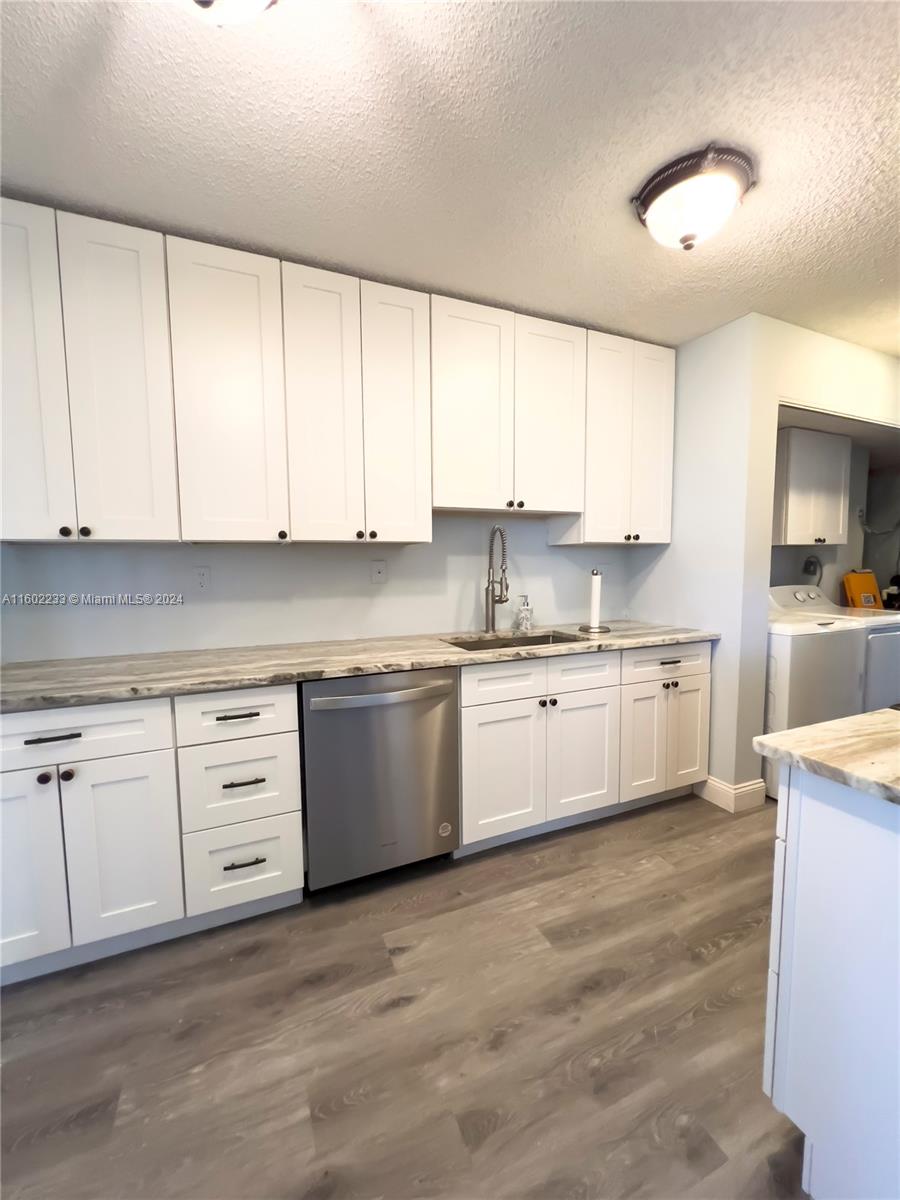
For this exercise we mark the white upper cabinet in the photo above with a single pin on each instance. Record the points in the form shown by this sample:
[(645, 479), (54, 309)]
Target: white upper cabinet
[(396, 413), (227, 355), (812, 488), (629, 446), (472, 404), (38, 484), (323, 388), (120, 379), (550, 416)]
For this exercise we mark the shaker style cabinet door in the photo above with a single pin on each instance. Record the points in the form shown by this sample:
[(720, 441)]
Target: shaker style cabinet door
[(116, 313), (38, 483), (472, 404), (34, 905), (607, 484), (227, 355), (582, 751), (123, 844), (688, 731), (643, 761), (550, 405), (396, 374), (323, 389), (652, 441), (504, 767)]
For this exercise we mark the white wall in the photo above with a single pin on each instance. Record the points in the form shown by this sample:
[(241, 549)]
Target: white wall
[(270, 594), (787, 561)]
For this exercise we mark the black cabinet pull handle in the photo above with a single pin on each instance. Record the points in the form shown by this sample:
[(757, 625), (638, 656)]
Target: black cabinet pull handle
[(520, 504), (542, 703), (244, 783), (65, 531), (53, 737), (44, 777), (282, 534), (669, 662), (510, 504), (253, 862), (360, 533), (674, 683), (372, 534), (554, 702), (85, 531), (627, 537), (67, 775), (237, 716), (667, 686), (637, 537)]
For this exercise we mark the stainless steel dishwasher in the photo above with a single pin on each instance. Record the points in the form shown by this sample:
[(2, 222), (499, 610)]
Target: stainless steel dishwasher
[(381, 757)]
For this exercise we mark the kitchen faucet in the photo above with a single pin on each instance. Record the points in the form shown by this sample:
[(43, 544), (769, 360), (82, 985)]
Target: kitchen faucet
[(491, 596)]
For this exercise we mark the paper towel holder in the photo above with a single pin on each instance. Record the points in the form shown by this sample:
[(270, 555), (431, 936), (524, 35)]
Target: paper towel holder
[(598, 628)]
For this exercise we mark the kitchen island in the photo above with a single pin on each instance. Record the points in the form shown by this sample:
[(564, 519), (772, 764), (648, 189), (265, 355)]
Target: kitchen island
[(832, 1046)]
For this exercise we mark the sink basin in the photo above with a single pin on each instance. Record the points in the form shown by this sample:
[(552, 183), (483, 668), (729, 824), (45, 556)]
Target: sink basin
[(501, 641)]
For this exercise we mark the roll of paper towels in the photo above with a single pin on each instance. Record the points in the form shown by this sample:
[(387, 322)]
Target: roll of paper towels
[(596, 584)]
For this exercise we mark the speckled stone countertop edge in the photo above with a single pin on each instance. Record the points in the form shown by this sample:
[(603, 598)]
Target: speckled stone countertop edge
[(66, 683)]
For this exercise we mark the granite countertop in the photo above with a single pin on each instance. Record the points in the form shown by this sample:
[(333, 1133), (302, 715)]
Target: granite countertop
[(57, 683), (862, 752)]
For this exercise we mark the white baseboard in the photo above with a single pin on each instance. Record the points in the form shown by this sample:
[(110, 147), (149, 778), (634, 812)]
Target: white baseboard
[(733, 797)]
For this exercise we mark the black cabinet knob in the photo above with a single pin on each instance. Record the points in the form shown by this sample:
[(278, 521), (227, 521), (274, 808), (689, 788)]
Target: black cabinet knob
[(372, 534), (85, 531), (67, 775), (282, 535), (44, 777), (520, 504), (554, 702), (65, 531), (637, 537), (510, 504), (627, 537), (360, 533), (674, 683), (542, 703), (667, 686)]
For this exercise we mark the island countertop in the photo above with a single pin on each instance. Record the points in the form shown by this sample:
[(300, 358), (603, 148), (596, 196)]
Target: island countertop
[(60, 683), (862, 752)]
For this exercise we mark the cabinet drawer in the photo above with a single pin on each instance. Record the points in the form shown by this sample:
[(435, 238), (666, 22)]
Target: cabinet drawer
[(242, 862), (578, 672), (55, 735), (514, 680), (241, 780), (665, 662), (224, 716)]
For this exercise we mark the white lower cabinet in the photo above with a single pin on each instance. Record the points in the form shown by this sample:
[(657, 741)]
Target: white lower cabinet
[(582, 752), (34, 907), (120, 817), (504, 768), (665, 735), (248, 861)]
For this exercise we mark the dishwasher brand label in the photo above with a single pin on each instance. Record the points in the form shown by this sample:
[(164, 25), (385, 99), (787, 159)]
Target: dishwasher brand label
[(445, 829)]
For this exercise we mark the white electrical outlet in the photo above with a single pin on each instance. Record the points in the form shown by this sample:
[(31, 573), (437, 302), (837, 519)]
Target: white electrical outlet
[(202, 580), (379, 570)]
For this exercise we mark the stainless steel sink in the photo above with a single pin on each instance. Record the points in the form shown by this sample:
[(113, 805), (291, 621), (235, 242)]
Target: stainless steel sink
[(499, 641)]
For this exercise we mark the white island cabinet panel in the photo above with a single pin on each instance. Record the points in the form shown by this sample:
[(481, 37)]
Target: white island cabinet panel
[(550, 406), (120, 379), (38, 482), (34, 905), (123, 844), (227, 354), (323, 388), (473, 403), (396, 372)]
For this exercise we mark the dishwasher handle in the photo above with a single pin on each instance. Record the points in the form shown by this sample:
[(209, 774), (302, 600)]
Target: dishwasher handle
[(374, 699)]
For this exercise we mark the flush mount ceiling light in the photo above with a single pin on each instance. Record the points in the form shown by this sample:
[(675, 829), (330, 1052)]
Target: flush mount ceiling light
[(688, 200), (230, 12)]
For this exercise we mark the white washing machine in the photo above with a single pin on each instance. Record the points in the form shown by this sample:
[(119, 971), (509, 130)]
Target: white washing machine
[(815, 670), (882, 633)]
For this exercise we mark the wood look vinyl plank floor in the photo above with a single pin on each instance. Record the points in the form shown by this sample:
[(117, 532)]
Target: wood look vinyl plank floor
[(569, 1018)]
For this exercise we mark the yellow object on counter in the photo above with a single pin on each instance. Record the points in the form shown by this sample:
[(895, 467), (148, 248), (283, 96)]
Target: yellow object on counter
[(861, 590)]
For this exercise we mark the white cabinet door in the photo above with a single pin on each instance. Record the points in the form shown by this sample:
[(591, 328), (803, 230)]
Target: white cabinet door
[(123, 844), (34, 914), (607, 484), (323, 389), (504, 768), (582, 751), (643, 758), (38, 484), (812, 488), (832, 513), (396, 371), (652, 429), (687, 733), (120, 379), (550, 403), (472, 404), (227, 355)]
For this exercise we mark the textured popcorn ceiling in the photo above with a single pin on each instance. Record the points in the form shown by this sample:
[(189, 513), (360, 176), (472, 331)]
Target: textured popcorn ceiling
[(484, 149)]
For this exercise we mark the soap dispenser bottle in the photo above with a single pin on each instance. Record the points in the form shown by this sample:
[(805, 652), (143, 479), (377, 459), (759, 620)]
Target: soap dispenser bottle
[(524, 616)]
